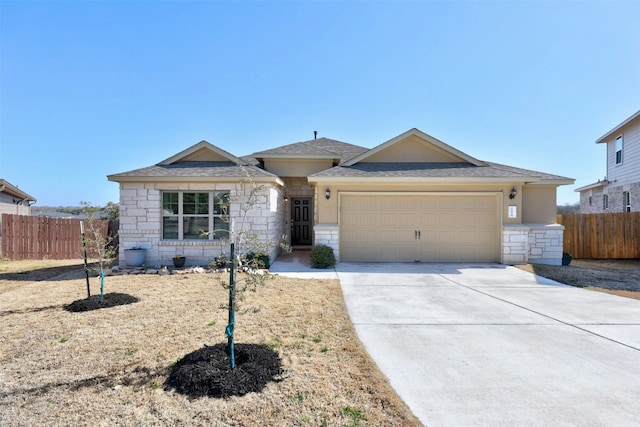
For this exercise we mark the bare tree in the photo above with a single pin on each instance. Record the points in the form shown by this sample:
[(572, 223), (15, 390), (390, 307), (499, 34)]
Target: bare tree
[(96, 237), (248, 256)]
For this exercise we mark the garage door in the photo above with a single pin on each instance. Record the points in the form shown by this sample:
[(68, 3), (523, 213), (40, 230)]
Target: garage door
[(427, 228)]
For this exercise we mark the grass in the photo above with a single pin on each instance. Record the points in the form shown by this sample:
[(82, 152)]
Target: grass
[(108, 366)]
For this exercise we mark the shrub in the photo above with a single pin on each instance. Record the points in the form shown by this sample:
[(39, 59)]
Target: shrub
[(220, 261), (257, 260), (322, 257)]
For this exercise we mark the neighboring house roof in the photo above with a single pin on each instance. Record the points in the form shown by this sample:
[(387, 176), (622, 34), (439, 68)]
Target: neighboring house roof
[(598, 184), (13, 191), (320, 148), (617, 128), (200, 162)]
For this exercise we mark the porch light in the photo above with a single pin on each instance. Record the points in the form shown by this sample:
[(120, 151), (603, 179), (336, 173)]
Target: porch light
[(513, 193), (327, 193)]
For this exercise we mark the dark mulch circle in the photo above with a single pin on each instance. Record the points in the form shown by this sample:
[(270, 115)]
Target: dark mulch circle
[(207, 371), (112, 299)]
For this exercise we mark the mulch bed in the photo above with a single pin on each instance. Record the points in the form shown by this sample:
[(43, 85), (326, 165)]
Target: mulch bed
[(207, 371), (112, 299)]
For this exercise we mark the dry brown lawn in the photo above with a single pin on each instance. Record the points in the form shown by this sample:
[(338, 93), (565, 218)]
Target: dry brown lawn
[(107, 367), (618, 277)]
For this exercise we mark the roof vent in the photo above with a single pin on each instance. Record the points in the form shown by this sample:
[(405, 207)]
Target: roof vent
[(315, 134)]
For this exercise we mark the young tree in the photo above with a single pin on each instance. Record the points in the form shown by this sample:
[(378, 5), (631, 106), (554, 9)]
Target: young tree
[(248, 255), (95, 237)]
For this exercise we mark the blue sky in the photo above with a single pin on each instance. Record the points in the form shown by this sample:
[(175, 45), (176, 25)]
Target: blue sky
[(91, 88)]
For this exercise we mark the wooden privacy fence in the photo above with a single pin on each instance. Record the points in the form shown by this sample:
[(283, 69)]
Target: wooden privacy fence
[(34, 237), (609, 235)]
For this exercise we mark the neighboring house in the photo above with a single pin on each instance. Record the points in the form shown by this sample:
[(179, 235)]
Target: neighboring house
[(13, 200), (412, 198), (619, 191)]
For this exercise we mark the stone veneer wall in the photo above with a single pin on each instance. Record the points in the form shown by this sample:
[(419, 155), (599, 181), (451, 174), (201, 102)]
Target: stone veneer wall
[(532, 243), (329, 235), (616, 198), (141, 221), (596, 201)]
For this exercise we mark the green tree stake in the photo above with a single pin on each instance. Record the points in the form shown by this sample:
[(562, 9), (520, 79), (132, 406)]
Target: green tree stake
[(232, 306), (102, 286)]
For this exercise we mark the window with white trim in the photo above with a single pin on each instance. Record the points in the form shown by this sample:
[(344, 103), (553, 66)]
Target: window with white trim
[(619, 150), (605, 201), (627, 201), (190, 215)]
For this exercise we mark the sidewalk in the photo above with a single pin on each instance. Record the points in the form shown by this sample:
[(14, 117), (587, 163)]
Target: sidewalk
[(297, 264)]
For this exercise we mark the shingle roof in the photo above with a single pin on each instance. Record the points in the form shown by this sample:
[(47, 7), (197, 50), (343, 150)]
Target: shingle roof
[(195, 169), (12, 190), (434, 170), (321, 147)]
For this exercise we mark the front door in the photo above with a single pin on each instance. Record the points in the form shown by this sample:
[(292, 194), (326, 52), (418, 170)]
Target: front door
[(301, 214)]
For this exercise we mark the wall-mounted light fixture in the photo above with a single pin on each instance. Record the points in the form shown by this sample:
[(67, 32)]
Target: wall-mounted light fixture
[(327, 193), (513, 193), (286, 199)]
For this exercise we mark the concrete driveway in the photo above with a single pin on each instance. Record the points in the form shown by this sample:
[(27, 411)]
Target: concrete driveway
[(491, 345)]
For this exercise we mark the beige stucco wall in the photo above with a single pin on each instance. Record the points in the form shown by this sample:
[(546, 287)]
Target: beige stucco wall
[(539, 204), (296, 167), (327, 210), (411, 149), (15, 209)]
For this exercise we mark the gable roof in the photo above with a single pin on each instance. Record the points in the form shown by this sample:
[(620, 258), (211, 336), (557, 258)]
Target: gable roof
[(13, 191), (427, 159), (436, 172), (424, 159), (203, 151), (617, 128), (320, 148), (200, 163), (431, 147)]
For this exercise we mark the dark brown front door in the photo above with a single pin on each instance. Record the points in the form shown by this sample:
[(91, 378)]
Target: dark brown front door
[(301, 220)]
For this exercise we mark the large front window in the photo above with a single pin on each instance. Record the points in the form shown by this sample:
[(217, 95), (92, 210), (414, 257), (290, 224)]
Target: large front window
[(195, 215)]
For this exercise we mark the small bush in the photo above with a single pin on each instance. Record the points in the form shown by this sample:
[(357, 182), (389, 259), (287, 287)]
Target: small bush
[(221, 261), (257, 260), (322, 257)]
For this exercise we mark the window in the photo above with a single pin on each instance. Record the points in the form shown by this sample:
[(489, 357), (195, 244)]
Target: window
[(195, 216), (627, 201), (619, 150), (589, 200), (605, 201)]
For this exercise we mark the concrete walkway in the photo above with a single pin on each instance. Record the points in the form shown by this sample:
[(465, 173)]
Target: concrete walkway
[(491, 345), (297, 264)]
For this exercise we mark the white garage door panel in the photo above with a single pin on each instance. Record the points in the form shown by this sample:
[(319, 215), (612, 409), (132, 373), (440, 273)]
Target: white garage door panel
[(451, 228)]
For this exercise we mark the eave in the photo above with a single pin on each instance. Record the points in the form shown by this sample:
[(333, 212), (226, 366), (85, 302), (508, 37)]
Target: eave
[(299, 157), (592, 186), (438, 180), (198, 179), (618, 128)]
